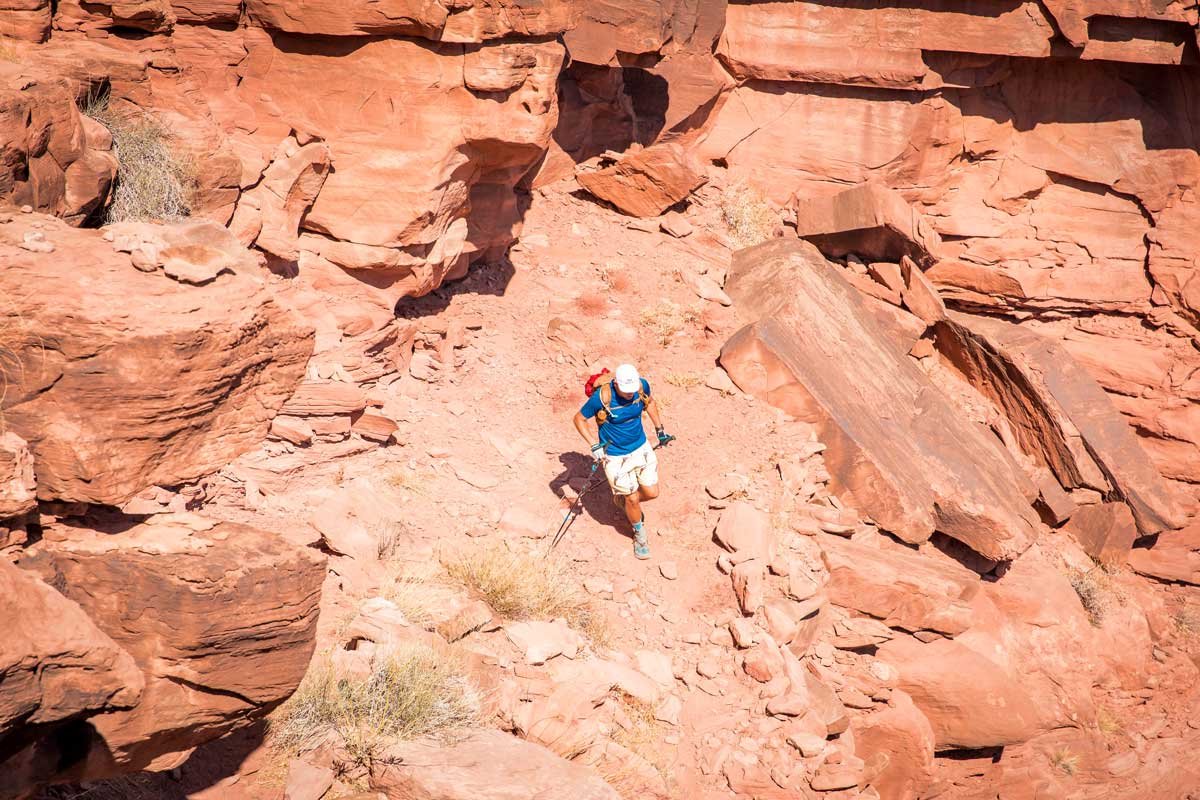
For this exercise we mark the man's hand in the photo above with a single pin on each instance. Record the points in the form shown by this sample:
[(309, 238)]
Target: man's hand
[(598, 453), (664, 438)]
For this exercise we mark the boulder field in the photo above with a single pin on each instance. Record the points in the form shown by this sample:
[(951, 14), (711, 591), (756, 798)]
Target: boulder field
[(915, 286)]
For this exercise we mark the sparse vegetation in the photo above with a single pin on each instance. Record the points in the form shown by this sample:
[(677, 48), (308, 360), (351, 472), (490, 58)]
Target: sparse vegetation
[(411, 691), (640, 730), (1107, 722), (388, 537), (745, 210), (684, 380), (417, 590), (518, 586), (1187, 620), (155, 180), (1096, 592), (410, 481), (667, 319), (1063, 759)]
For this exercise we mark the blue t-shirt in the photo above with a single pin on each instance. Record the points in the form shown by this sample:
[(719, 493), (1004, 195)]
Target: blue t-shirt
[(623, 433)]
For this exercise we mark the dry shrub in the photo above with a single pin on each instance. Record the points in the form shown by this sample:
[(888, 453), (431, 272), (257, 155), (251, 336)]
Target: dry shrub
[(388, 537), (745, 210), (667, 319), (523, 586), (1096, 592), (412, 691), (591, 304), (684, 380), (1187, 620), (155, 180), (1065, 760), (642, 731), (411, 481), (1107, 721), (417, 590)]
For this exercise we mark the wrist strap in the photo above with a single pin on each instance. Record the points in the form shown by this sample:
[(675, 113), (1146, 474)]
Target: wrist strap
[(597, 446)]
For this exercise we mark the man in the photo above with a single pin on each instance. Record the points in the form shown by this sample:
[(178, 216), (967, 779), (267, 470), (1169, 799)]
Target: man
[(628, 459)]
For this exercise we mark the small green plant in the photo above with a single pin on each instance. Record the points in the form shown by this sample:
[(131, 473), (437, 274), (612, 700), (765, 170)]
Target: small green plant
[(412, 691), (746, 212), (155, 180), (1063, 759), (519, 587)]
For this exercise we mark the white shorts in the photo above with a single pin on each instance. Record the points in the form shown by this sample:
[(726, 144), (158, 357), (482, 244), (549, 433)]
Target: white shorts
[(639, 468)]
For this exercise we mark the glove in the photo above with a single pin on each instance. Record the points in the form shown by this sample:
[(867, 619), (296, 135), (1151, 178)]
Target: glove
[(664, 438), (598, 453)]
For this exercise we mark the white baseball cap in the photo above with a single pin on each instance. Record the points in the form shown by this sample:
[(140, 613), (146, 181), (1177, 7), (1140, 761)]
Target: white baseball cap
[(627, 378)]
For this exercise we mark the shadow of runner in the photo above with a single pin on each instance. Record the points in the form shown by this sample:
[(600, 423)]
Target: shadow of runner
[(598, 503)]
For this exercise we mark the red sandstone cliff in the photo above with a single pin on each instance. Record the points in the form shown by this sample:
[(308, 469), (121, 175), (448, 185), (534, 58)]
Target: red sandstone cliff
[(1024, 227)]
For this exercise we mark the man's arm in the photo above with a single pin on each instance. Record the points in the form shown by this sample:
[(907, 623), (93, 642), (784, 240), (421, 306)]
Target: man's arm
[(585, 429), (652, 411)]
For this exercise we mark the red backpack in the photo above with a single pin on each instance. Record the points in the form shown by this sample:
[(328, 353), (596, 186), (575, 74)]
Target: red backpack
[(590, 386), (602, 381)]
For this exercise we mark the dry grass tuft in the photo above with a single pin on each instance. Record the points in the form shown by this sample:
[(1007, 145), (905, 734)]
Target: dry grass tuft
[(412, 691), (667, 319), (155, 180), (411, 481), (1063, 759), (684, 380), (642, 730), (524, 586), (1096, 592), (417, 590), (388, 538), (745, 210), (1107, 721), (1187, 620)]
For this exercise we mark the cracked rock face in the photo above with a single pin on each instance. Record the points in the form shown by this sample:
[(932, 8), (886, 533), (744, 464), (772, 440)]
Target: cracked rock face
[(218, 617)]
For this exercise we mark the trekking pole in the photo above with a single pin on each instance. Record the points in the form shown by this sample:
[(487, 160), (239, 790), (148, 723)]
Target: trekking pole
[(574, 509)]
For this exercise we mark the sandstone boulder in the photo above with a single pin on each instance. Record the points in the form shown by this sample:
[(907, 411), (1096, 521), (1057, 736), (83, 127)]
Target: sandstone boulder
[(745, 532), (219, 617), (897, 448), (1105, 531), (870, 221), (900, 587), (904, 738), (488, 765), (114, 396), (645, 183), (1059, 414), (969, 700), (27, 20), (54, 160), (17, 486), (1174, 557), (56, 670)]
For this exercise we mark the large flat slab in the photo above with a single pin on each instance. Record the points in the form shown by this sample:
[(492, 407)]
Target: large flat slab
[(1059, 414), (897, 448)]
